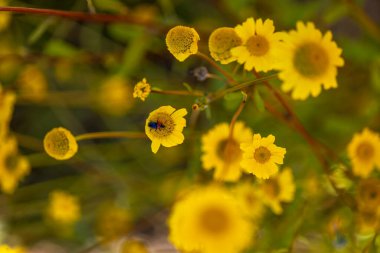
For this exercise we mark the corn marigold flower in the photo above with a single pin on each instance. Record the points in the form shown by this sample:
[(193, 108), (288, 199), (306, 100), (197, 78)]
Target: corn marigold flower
[(60, 144), (63, 208), (308, 61), (6, 249), (278, 189), (142, 90), (5, 17), (222, 153), (208, 220), (182, 41), (13, 166), (164, 127), (250, 200), (220, 43), (260, 45), (261, 156), (364, 152), (7, 101), (32, 83)]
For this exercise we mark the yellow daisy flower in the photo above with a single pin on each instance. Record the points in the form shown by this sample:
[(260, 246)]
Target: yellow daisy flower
[(13, 166), (222, 153), (220, 43), (182, 41), (309, 61), (164, 127), (364, 152), (63, 207), (260, 45), (6, 249), (261, 156), (208, 220), (278, 189), (60, 144), (32, 83), (142, 90), (7, 101), (249, 197)]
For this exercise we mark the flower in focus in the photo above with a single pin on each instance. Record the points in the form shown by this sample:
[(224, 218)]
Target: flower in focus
[(309, 61), (142, 90), (113, 222), (182, 41), (6, 249), (60, 144), (364, 152), (63, 207), (278, 189), (261, 156), (7, 101), (208, 220), (164, 127), (224, 153), (249, 197), (32, 83), (220, 43), (13, 166), (5, 17), (259, 45)]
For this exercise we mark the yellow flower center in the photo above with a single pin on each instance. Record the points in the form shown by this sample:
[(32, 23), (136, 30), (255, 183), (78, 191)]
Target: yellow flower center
[(213, 220), (165, 125), (257, 45), (58, 143), (229, 150), (365, 151), (11, 162), (180, 39), (311, 60), (262, 154)]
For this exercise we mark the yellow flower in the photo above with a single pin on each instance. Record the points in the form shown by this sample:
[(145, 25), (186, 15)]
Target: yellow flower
[(13, 166), (260, 45), (6, 249), (142, 90), (249, 197), (222, 153), (7, 101), (5, 17), (63, 207), (133, 246), (220, 43), (208, 220), (364, 152), (60, 144), (182, 41), (308, 61), (261, 156), (164, 127), (115, 96), (279, 189), (113, 222), (32, 83)]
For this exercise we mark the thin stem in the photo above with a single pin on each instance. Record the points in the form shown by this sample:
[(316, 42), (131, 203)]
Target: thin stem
[(195, 93), (105, 135), (236, 115), (91, 6)]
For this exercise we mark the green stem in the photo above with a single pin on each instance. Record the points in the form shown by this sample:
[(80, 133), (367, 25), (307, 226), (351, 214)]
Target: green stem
[(105, 135)]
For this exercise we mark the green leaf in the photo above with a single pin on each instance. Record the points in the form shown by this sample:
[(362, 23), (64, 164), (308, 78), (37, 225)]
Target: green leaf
[(60, 48), (188, 87), (232, 100)]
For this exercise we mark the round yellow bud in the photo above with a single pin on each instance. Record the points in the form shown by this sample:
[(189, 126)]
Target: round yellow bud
[(220, 43), (182, 41), (60, 144)]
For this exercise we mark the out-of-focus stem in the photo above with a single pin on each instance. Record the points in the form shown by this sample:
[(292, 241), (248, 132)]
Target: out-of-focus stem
[(106, 135), (195, 93)]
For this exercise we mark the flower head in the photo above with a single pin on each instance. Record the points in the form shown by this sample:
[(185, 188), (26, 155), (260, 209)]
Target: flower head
[(250, 200), (278, 189), (182, 41), (209, 220), (32, 83), (259, 45), (224, 153), (309, 61), (63, 207), (261, 156), (60, 144), (220, 43), (142, 90), (6, 249), (164, 127), (364, 152)]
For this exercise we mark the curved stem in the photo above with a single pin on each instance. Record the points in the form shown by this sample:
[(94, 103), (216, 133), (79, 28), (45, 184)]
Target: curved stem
[(105, 135)]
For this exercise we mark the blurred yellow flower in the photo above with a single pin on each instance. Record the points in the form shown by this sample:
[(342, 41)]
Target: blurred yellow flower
[(222, 153), (260, 45), (133, 246), (182, 41), (164, 127), (142, 90), (63, 208), (113, 222), (60, 144), (115, 96), (32, 83), (250, 200), (6, 249), (208, 220), (364, 152), (309, 61), (278, 189), (7, 101), (220, 43), (13, 166), (261, 156), (5, 17)]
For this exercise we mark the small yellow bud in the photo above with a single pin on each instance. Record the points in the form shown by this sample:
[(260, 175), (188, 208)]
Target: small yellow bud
[(60, 144), (182, 41)]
